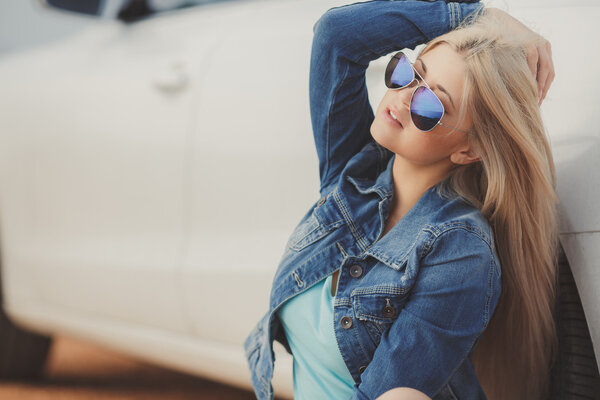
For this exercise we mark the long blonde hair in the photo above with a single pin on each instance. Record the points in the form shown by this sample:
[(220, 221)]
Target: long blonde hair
[(513, 186)]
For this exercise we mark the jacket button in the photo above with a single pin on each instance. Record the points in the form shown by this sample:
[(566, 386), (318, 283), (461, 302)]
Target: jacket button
[(362, 369), (388, 311), (346, 322), (321, 201), (356, 271)]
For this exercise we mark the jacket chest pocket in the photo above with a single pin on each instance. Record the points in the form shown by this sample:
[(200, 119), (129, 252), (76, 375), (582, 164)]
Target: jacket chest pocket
[(315, 225), (378, 307)]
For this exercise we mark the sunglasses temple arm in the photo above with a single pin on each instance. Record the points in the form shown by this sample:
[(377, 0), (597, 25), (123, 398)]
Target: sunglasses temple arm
[(448, 126)]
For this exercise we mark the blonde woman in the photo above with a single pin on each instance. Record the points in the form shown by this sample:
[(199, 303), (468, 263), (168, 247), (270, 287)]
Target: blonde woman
[(426, 268)]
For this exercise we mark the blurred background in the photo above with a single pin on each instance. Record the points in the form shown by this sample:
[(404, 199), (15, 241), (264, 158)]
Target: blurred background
[(155, 156), (25, 24)]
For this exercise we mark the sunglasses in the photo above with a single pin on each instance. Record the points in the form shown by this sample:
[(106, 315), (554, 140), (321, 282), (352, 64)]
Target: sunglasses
[(426, 109)]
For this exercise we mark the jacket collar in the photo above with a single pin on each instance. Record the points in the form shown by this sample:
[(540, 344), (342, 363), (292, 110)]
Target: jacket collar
[(394, 247), (365, 174)]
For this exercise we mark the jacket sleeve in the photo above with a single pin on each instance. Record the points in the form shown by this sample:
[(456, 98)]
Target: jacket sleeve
[(345, 40), (456, 290)]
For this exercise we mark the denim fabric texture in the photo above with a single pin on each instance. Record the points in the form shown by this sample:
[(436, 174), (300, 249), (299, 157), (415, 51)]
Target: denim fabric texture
[(411, 305)]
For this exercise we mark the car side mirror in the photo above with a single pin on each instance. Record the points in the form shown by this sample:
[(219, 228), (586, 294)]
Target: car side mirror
[(88, 7)]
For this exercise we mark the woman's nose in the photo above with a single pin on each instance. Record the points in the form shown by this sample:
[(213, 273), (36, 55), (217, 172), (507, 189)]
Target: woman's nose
[(404, 95)]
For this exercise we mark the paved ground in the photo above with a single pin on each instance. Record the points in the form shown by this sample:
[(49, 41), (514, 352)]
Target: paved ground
[(77, 371)]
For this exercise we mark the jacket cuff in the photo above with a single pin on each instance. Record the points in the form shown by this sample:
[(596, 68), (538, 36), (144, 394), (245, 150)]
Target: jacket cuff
[(459, 11)]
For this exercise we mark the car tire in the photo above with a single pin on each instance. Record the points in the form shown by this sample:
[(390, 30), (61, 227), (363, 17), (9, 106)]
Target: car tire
[(574, 375), (23, 354)]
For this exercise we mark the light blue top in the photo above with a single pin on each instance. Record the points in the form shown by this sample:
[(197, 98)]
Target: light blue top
[(319, 370)]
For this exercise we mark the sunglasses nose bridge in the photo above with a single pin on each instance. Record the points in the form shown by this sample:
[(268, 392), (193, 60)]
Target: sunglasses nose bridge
[(410, 88), (413, 84), (403, 96)]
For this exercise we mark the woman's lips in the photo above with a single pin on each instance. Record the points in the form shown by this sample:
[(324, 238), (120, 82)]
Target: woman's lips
[(388, 117)]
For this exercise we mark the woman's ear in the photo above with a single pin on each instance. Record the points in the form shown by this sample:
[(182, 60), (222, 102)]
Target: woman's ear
[(464, 156)]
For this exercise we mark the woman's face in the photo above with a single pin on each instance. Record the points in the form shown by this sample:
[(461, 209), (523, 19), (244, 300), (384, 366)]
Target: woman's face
[(444, 71)]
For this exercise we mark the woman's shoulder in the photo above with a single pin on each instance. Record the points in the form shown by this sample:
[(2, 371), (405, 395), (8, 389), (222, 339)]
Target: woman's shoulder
[(458, 232), (455, 214)]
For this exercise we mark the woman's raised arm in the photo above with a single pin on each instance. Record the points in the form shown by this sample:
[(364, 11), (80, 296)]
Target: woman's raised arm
[(346, 39)]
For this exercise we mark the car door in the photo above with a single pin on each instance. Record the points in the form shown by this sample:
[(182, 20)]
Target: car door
[(92, 187)]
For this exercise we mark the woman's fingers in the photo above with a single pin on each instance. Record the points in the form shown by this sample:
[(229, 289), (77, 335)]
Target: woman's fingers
[(549, 77), (539, 59), (532, 59), (537, 49)]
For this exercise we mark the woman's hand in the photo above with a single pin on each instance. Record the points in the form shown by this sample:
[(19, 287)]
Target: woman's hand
[(403, 393), (539, 52)]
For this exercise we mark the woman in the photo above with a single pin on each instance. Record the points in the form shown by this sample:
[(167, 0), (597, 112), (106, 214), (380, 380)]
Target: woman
[(426, 268)]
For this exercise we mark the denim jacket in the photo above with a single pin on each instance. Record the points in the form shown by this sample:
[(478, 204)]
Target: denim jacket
[(411, 305)]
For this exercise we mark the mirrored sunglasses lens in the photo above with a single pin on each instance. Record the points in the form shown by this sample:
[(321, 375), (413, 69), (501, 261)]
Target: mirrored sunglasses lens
[(399, 72), (426, 109)]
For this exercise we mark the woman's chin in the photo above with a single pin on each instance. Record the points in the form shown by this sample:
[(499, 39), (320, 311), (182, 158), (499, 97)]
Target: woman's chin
[(383, 138)]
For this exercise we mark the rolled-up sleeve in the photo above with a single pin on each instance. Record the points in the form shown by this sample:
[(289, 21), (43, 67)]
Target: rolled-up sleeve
[(454, 296)]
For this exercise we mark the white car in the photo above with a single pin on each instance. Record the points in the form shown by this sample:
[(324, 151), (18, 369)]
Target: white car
[(152, 170)]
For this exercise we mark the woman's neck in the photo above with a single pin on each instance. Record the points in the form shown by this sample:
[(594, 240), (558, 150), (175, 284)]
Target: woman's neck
[(411, 182)]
